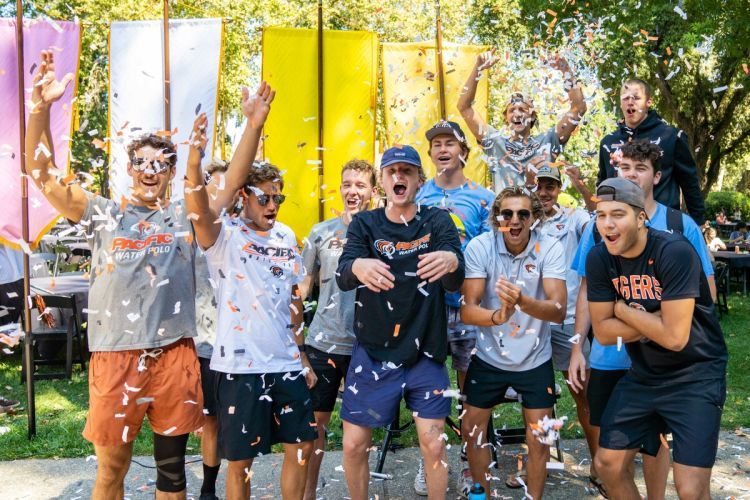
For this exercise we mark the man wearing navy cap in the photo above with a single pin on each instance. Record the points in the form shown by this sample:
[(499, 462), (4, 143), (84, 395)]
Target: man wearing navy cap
[(401, 259), (468, 205)]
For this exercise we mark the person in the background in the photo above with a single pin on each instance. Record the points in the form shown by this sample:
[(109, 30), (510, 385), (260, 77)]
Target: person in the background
[(714, 242), (740, 235), (678, 169), (737, 214), (513, 160), (11, 299), (721, 218)]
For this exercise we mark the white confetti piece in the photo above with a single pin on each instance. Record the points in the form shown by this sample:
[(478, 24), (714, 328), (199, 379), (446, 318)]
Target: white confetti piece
[(125, 434), (170, 430), (619, 343)]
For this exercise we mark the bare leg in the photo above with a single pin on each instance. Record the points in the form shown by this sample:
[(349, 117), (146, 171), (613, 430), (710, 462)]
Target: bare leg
[(655, 473), (615, 469), (692, 483), (316, 459), (433, 451), (294, 469), (209, 442), (238, 479), (357, 440), (582, 409), (474, 432), (113, 463), (536, 467)]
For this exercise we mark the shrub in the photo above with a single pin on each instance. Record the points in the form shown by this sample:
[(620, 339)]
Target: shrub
[(728, 201)]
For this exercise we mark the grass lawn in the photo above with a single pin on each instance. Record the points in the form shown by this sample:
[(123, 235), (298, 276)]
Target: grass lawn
[(62, 404)]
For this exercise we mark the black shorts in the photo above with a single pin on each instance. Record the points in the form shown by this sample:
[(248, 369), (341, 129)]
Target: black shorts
[(486, 385), (637, 413), (600, 387), (330, 369), (209, 380), (259, 410)]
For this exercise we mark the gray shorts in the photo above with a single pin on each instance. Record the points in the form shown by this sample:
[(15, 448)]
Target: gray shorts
[(562, 346), (462, 339)]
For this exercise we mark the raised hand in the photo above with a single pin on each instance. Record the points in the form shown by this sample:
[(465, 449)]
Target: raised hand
[(47, 88), (559, 63), (199, 138), (256, 107), (486, 59)]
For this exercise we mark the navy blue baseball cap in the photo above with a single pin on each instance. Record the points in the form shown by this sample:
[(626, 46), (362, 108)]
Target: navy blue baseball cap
[(400, 154), (444, 127)]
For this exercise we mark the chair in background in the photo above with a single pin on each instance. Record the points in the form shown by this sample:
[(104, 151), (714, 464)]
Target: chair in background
[(721, 277), (67, 329)]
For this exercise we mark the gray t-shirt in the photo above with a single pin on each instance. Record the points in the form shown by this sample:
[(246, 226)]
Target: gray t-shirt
[(142, 292), (524, 342), (567, 226), (332, 328), (507, 159), (206, 317)]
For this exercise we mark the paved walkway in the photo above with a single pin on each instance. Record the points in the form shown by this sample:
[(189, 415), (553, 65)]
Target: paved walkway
[(73, 478)]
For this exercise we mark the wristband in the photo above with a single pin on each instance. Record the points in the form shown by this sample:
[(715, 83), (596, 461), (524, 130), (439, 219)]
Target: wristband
[(302, 348), (492, 318)]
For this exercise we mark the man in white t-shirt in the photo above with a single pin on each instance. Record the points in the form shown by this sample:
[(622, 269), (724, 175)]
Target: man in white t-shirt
[(263, 397)]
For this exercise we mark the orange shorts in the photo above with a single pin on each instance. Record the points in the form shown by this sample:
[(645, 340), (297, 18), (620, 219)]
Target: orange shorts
[(125, 386)]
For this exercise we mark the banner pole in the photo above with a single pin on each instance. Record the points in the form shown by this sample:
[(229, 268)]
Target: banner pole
[(321, 194), (165, 30), (27, 343), (439, 50)]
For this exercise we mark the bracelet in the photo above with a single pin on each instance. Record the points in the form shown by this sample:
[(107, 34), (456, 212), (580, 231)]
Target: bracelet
[(492, 318), (302, 348)]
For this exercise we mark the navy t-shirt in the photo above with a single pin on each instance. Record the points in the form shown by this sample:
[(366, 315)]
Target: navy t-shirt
[(668, 269), (400, 324)]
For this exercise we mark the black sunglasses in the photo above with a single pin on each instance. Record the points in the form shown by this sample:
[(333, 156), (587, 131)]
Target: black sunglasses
[(142, 164), (264, 198), (523, 214)]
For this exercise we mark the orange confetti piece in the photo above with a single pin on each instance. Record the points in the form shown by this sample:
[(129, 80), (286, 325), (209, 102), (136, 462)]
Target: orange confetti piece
[(232, 307), (396, 329), (69, 178), (98, 143), (745, 69), (536, 247), (123, 203), (331, 362), (551, 12), (643, 32), (515, 330), (595, 199), (549, 390), (503, 229), (257, 441), (669, 51), (653, 38)]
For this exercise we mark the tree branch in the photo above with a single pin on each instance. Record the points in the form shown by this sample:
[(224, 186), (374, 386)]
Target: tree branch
[(735, 143)]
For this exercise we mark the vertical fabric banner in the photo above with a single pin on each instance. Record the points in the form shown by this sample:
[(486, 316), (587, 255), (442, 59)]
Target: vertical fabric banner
[(412, 102), (136, 84), (290, 65), (64, 39)]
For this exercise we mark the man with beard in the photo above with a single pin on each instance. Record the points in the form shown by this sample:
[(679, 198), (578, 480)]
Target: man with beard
[(678, 170)]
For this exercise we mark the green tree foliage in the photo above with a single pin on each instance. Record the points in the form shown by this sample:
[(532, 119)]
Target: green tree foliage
[(695, 53)]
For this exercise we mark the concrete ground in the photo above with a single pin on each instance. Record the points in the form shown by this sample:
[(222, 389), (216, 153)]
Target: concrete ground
[(73, 478)]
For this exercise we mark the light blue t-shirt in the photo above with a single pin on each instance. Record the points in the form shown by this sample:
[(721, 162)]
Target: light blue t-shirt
[(469, 207), (608, 357)]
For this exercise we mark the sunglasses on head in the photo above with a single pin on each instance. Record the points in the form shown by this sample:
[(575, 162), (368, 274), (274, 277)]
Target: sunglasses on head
[(264, 198), (142, 165), (523, 214)]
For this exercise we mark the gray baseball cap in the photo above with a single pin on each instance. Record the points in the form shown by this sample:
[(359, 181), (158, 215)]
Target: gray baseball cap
[(622, 190), (548, 172)]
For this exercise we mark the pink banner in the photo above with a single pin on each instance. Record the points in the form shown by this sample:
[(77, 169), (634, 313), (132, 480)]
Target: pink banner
[(64, 39)]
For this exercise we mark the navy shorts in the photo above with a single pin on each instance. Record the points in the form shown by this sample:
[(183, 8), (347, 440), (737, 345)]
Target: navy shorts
[(209, 382), (598, 391), (637, 413), (330, 369), (374, 391), (485, 385)]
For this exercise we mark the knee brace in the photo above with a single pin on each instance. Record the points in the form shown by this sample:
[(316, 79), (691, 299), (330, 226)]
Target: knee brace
[(169, 455)]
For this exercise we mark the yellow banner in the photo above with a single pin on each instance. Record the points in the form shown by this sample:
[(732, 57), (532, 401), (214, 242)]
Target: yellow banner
[(290, 66), (412, 103)]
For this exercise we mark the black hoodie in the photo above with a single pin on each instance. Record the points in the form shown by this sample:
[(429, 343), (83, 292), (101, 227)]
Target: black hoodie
[(678, 170)]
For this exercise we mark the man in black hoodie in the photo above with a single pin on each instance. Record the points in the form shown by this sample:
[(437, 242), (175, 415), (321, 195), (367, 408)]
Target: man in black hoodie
[(678, 170)]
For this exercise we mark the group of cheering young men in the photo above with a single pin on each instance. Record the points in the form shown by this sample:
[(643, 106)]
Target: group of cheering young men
[(195, 315)]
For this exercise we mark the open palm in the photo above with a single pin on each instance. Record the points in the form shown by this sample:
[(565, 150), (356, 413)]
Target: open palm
[(47, 88), (256, 107)]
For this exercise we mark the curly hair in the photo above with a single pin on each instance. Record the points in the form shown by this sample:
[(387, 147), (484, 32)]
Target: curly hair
[(641, 150), (361, 166), (262, 172), (515, 192), (162, 144)]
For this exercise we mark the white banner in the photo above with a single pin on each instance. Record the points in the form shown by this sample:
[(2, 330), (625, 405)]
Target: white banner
[(136, 88)]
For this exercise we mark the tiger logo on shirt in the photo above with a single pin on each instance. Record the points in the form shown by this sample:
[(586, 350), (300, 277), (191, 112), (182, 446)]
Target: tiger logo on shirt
[(385, 247)]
